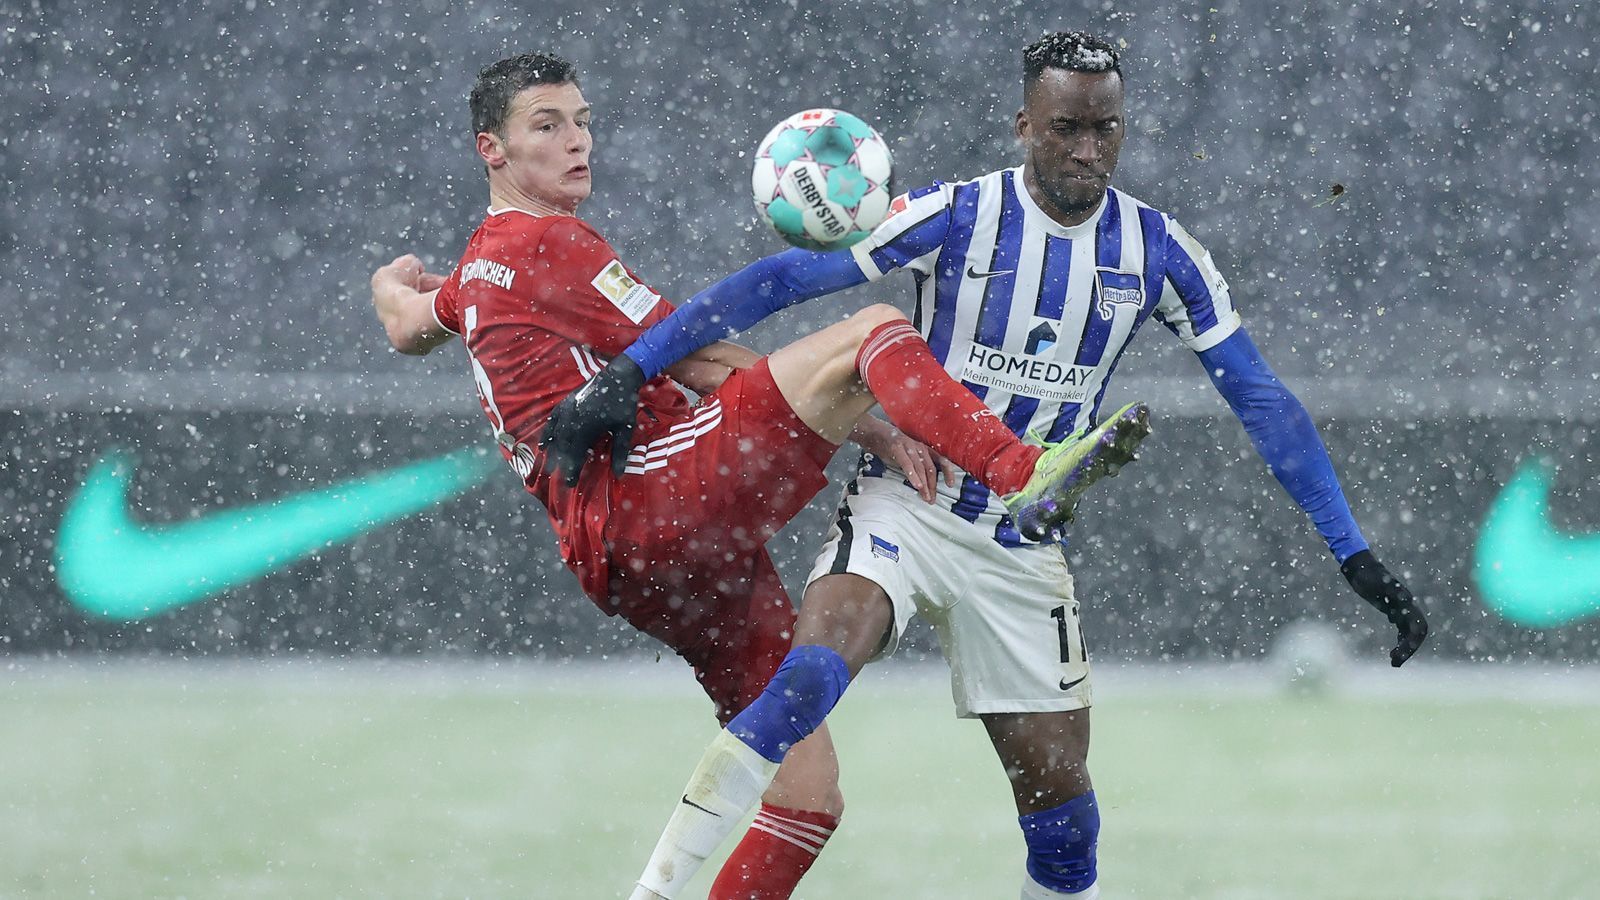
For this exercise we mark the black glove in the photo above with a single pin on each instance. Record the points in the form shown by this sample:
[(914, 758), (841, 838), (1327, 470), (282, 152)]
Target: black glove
[(606, 405), (1377, 586)]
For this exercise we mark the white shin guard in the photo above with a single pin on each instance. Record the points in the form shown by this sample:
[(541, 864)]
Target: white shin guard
[(725, 786)]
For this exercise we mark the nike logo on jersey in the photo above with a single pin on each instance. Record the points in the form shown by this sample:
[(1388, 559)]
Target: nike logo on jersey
[(699, 807), (1528, 570), (115, 567), (975, 274), (1069, 685)]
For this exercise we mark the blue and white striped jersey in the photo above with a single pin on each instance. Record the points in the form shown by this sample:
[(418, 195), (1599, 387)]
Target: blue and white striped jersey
[(1033, 316)]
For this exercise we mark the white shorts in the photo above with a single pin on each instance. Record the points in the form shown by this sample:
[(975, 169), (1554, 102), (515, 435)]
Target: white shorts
[(1006, 617)]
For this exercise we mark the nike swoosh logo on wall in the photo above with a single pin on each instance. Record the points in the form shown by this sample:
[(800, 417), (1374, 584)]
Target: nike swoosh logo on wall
[(1528, 570), (113, 567)]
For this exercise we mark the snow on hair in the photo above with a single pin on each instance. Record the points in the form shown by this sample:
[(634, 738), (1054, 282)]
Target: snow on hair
[(1075, 51)]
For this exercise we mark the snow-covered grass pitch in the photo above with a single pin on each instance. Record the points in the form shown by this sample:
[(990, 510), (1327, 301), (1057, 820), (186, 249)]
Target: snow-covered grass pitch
[(463, 779)]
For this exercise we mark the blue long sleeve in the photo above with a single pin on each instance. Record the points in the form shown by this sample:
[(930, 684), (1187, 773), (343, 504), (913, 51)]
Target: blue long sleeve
[(1285, 437), (740, 301)]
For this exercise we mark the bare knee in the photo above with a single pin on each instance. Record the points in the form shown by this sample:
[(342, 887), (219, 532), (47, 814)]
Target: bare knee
[(818, 373), (832, 352), (821, 797), (855, 331), (809, 777), (1045, 755), (871, 318)]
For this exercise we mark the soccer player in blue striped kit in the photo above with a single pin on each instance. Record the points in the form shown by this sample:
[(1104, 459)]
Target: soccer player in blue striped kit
[(1029, 284)]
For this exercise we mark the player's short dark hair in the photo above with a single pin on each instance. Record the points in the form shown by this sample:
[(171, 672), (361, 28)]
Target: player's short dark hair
[(499, 82), (1074, 51)]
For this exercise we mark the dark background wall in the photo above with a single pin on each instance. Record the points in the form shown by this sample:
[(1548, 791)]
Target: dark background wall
[(208, 186), (191, 200), (1195, 552)]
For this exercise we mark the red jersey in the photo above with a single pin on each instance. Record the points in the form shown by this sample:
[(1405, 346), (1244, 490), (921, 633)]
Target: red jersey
[(542, 302)]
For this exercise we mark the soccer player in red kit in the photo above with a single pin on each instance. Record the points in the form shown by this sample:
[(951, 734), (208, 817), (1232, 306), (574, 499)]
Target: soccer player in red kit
[(668, 529)]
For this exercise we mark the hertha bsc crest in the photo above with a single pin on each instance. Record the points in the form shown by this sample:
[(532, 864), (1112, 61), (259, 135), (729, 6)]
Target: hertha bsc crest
[(1113, 289)]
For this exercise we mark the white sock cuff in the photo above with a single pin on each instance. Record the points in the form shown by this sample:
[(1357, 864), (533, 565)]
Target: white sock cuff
[(758, 765), (732, 776)]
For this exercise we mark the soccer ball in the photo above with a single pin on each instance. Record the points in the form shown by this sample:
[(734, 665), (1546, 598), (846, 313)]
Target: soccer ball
[(1310, 656), (822, 179)]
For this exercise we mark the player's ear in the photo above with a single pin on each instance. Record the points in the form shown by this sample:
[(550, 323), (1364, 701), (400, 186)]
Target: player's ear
[(492, 149), (1022, 125)]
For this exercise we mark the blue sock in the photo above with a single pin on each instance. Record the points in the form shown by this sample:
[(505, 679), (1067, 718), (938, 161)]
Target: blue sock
[(796, 700), (1061, 844)]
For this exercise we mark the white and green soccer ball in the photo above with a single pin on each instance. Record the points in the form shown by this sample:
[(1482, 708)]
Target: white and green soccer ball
[(822, 179)]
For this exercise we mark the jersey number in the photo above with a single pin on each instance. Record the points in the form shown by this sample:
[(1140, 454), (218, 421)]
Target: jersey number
[(521, 454), (1064, 633)]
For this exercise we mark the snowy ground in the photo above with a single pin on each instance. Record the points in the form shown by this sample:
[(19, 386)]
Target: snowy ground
[(470, 779), (1365, 678)]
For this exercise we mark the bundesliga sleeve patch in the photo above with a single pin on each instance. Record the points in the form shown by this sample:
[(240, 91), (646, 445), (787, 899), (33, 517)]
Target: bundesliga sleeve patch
[(632, 298)]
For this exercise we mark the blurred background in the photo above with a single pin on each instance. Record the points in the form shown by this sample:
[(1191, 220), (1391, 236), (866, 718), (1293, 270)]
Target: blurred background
[(1402, 196)]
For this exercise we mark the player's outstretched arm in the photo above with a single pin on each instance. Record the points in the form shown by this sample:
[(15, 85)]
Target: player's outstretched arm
[(704, 370), (605, 405), (740, 301), (1286, 438), (402, 295)]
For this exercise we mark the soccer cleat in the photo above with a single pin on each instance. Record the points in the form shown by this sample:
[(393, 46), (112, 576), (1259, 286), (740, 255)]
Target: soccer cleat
[(1069, 468)]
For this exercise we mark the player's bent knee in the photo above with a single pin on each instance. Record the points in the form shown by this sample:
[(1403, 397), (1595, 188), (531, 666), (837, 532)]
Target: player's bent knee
[(814, 681), (871, 317), (1061, 844), (839, 344), (800, 695), (860, 328)]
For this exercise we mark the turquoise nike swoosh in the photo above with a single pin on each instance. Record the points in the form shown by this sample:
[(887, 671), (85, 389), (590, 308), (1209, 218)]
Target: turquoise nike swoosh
[(1529, 571), (111, 566)]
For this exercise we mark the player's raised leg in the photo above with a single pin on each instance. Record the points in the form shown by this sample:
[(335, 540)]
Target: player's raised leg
[(1045, 755), (843, 618), (833, 376), (1069, 468)]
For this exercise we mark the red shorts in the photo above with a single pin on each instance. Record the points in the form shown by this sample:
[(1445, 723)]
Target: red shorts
[(688, 527)]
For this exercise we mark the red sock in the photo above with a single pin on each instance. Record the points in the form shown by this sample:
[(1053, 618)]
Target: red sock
[(779, 847), (922, 400)]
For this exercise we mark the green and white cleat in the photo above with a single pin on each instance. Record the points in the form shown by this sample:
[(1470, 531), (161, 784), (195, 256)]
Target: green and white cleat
[(1068, 469)]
